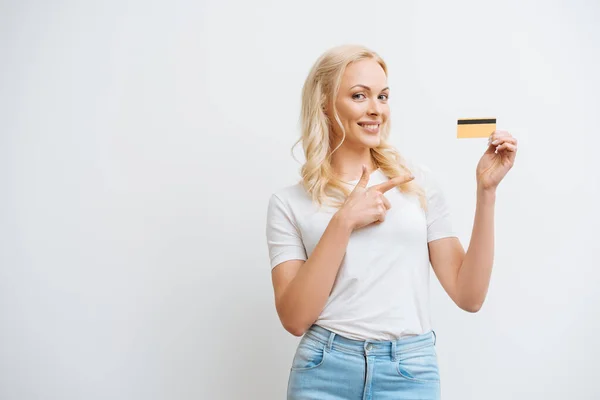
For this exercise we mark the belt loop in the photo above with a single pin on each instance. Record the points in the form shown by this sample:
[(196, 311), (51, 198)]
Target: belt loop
[(330, 341), (393, 351), (434, 337)]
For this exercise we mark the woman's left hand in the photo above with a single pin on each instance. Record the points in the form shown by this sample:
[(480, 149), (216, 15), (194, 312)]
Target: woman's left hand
[(497, 160)]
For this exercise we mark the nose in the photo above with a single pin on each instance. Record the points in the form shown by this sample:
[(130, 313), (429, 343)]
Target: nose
[(374, 107)]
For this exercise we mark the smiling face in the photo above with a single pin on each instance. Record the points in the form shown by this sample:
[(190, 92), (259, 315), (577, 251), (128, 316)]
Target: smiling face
[(362, 104)]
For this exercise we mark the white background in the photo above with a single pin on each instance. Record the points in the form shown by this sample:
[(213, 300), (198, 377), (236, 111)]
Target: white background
[(140, 142)]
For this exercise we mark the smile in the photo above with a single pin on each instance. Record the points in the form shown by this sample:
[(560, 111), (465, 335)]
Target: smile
[(369, 127)]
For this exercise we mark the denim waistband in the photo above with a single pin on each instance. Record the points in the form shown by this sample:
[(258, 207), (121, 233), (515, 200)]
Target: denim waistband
[(394, 348)]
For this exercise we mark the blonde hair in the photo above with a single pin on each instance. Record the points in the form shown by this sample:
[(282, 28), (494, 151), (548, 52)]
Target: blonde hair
[(321, 85)]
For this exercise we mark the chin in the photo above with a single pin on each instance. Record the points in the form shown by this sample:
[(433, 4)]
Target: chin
[(372, 142)]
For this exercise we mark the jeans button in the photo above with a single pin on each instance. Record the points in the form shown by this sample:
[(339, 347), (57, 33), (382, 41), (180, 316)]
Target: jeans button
[(369, 346)]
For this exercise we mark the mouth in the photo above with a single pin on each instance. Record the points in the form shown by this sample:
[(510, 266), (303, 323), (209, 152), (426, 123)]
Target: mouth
[(371, 127)]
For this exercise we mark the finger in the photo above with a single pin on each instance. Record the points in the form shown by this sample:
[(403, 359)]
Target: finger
[(493, 147), (392, 183), (502, 144), (507, 147), (364, 179), (505, 139), (498, 134), (386, 203), (382, 212)]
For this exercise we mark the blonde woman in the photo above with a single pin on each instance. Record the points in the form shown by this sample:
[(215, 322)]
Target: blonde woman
[(350, 245)]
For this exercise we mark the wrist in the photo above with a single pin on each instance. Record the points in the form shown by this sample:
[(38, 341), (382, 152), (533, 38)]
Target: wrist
[(341, 220), (486, 194)]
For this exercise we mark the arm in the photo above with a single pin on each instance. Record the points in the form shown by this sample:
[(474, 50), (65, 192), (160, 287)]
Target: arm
[(466, 277), (302, 287)]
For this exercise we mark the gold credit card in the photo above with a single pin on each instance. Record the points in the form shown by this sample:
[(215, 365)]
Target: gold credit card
[(475, 127)]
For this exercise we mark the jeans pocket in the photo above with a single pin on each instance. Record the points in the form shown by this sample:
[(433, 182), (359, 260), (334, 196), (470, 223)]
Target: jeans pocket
[(310, 354), (419, 365)]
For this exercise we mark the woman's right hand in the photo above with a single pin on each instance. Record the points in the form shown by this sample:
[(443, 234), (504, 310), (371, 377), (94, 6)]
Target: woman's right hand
[(366, 206)]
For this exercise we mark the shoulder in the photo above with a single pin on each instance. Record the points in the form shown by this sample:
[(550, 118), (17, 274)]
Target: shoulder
[(289, 194), (290, 199)]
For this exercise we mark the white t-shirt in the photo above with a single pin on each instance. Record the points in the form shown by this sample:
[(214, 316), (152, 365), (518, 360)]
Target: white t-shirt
[(382, 288)]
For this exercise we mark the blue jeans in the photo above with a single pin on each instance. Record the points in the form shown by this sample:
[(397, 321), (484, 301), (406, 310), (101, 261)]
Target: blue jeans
[(327, 366)]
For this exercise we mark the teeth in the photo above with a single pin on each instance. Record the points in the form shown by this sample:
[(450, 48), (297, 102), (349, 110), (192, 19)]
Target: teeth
[(372, 127)]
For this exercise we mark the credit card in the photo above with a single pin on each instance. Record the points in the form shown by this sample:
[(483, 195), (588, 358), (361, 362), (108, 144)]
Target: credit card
[(475, 127)]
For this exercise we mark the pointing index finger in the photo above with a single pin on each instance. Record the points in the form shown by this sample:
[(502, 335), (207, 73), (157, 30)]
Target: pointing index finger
[(392, 183)]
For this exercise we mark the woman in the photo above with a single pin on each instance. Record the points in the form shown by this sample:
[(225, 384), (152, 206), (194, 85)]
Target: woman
[(350, 245)]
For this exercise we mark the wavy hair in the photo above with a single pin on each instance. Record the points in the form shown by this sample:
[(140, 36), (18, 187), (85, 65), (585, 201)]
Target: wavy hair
[(322, 84)]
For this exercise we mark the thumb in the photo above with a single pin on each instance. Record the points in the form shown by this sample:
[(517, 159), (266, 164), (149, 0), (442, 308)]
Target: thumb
[(364, 179)]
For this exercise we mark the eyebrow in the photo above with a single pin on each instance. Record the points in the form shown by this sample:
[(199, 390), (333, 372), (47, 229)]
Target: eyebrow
[(368, 88)]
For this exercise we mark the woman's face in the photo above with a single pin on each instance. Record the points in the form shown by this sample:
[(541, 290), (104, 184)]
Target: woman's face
[(362, 104)]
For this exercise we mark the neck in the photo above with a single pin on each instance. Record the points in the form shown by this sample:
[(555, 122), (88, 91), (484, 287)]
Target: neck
[(347, 162)]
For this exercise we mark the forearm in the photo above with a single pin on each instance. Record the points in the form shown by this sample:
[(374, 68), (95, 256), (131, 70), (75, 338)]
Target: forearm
[(474, 274), (306, 295)]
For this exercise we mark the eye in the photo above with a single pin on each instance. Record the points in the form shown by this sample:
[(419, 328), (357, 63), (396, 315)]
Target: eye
[(355, 96), (385, 96)]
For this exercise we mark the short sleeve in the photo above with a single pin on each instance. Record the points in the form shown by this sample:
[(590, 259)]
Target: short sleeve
[(283, 236), (439, 217)]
